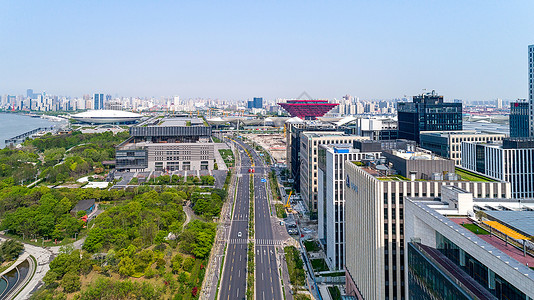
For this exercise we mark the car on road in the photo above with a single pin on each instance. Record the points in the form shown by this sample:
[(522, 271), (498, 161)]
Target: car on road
[(239, 234)]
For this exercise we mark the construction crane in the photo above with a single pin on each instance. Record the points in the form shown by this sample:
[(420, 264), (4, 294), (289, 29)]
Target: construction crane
[(288, 205)]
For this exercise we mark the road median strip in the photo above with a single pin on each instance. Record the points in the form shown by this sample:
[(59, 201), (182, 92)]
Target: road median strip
[(250, 252)]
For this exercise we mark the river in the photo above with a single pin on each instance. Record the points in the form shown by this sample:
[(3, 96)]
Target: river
[(12, 125)]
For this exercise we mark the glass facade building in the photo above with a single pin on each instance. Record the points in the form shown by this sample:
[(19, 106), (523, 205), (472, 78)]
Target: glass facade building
[(519, 125), (427, 112), (449, 272), (98, 101)]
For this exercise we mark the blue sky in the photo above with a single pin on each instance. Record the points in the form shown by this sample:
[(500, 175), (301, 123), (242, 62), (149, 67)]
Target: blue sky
[(472, 50)]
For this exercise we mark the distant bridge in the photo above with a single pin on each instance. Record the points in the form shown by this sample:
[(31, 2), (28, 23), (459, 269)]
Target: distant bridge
[(21, 137)]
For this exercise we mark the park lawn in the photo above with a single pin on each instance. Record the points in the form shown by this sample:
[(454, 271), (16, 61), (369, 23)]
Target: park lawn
[(228, 157), (466, 175), (475, 229)]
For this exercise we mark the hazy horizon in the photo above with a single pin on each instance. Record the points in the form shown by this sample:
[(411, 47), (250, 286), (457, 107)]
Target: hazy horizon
[(238, 50)]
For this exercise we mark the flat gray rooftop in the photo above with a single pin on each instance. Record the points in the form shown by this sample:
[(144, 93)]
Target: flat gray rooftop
[(181, 122), (520, 220)]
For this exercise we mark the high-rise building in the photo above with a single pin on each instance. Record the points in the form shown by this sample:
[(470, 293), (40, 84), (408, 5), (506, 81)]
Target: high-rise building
[(98, 101), (257, 102), (331, 200), (519, 124), (427, 112), (294, 128), (531, 87), (374, 215), (309, 145)]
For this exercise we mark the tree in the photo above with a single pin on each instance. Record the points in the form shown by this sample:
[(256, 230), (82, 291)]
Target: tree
[(126, 267), (71, 282), (202, 245), (188, 263), (11, 249), (50, 278)]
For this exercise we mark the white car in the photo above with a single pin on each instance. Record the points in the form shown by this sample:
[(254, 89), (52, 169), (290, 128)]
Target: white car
[(239, 234)]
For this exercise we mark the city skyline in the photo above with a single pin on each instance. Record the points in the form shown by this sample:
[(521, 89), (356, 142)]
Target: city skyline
[(275, 50)]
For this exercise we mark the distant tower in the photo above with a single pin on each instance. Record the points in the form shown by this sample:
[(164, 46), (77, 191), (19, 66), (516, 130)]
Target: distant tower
[(98, 101), (257, 102)]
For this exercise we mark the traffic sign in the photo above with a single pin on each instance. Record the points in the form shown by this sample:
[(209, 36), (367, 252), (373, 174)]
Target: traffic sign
[(263, 180)]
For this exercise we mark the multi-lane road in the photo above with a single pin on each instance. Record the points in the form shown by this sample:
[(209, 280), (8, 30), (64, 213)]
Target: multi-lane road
[(267, 279), (233, 283)]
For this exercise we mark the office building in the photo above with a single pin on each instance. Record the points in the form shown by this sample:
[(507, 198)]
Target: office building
[(98, 101), (330, 197), (460, 247), (307, 109), (448, 144), (171, 144), (374, 215), (427, 112), (293, 129), (512, 160), (309, 145), (376, 128), (519, 124), (531, 88), (258, 102)]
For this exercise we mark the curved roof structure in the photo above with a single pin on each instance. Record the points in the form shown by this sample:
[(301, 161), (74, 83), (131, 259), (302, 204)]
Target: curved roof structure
[(106, 116)]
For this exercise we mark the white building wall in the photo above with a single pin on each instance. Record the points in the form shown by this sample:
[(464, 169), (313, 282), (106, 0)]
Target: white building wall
[(372, 221)]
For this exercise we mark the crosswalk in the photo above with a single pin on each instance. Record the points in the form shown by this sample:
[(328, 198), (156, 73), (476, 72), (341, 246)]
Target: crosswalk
[(238, 241), (263, 242), (259, 242)]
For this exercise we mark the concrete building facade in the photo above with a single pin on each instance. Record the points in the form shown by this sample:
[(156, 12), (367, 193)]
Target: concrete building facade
[(169, 146), (448, 144), (374, 222), (331, 198), (507, 161), (309, 148)]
